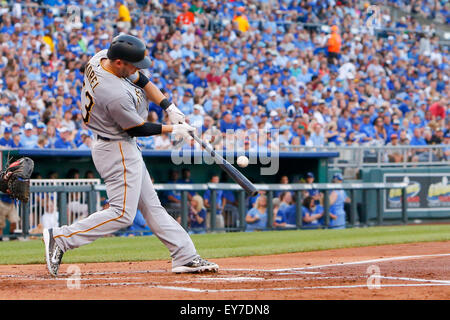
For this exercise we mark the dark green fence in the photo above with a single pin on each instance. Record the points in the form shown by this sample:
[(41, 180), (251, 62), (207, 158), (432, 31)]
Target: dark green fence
[(268, 189)]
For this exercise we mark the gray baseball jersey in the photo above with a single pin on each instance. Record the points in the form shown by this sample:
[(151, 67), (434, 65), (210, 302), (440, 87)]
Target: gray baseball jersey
[(110, 106)]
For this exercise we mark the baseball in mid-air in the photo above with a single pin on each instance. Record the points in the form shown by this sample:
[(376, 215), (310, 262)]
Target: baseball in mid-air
[(242, 161)]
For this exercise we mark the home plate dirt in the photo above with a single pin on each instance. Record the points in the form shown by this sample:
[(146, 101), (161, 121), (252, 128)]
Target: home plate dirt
[(406, 271)]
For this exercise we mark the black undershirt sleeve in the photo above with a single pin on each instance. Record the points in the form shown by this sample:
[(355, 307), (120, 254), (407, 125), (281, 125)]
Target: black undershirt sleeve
[(145, 130), (142, 80)]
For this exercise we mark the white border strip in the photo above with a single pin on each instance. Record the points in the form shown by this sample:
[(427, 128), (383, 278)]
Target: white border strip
[(294, 288)]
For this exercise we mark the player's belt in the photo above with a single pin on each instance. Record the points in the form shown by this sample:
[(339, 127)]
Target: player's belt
[(103, 138)]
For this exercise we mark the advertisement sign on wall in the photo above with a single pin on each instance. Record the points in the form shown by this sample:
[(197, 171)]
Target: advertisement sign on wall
[(425, 191)]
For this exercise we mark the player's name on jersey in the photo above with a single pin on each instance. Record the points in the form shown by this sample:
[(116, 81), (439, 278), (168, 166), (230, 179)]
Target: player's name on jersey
[(90, 76)]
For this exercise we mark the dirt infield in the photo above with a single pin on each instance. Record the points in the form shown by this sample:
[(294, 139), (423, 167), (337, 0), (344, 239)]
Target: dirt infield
[(408, 271)]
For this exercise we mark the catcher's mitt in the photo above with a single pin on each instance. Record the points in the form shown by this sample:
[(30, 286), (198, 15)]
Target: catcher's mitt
[(15, 179)]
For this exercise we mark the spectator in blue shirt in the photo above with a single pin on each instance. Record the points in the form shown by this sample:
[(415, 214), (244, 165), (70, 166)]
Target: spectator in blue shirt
[(6, 140), (16, 140), (139, 226), (197, 215), (367, 126), (417, 139), (238, 122), (256, 218), (314, 193), (29, 139), (317, 136), (337, 200), (300, 133), (311, 213), (227, 121), (395, 129), (64, 142), (186, 105), (221, 201), (274, 102), (279, 216)]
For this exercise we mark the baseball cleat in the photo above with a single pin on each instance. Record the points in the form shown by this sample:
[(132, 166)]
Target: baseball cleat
[(53, 253), (197, 265)]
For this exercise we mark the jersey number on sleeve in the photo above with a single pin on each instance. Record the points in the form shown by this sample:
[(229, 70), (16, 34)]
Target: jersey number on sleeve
[(88, 107)]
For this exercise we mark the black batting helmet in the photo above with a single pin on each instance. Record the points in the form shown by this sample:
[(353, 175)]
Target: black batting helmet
[(130, 49)]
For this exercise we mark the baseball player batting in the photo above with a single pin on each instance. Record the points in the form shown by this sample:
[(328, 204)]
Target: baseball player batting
[(114, 100)]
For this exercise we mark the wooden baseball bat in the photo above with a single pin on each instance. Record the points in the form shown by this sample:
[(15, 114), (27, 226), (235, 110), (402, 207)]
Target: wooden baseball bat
[(234, 173)]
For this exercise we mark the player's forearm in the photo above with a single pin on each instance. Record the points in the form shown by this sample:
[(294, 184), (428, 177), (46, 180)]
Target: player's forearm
[(149, 129), (153, 93)]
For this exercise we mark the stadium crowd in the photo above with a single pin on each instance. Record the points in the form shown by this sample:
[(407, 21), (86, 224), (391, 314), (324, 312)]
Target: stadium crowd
[(313, 70), (430, 9)]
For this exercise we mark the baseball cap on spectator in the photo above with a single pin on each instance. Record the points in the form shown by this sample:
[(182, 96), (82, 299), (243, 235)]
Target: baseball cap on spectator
[(7, 114), (273, 113), (226, 112), (272, 93), (63, 129), (310, 175), (198, 107), (189, 93), (28, 126), (338, 176), (276, 119), (41, 125), (396, 122), (284, 128), (7, 130), (84, 133)]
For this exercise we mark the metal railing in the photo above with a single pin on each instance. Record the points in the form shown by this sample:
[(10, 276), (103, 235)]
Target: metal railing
[(242, 208), (383, 156), (47, 202)]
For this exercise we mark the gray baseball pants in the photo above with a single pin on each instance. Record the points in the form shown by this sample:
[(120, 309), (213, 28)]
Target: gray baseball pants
[(129, 187)]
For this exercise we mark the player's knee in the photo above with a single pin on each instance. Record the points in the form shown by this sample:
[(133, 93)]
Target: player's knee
[(126, 216)]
